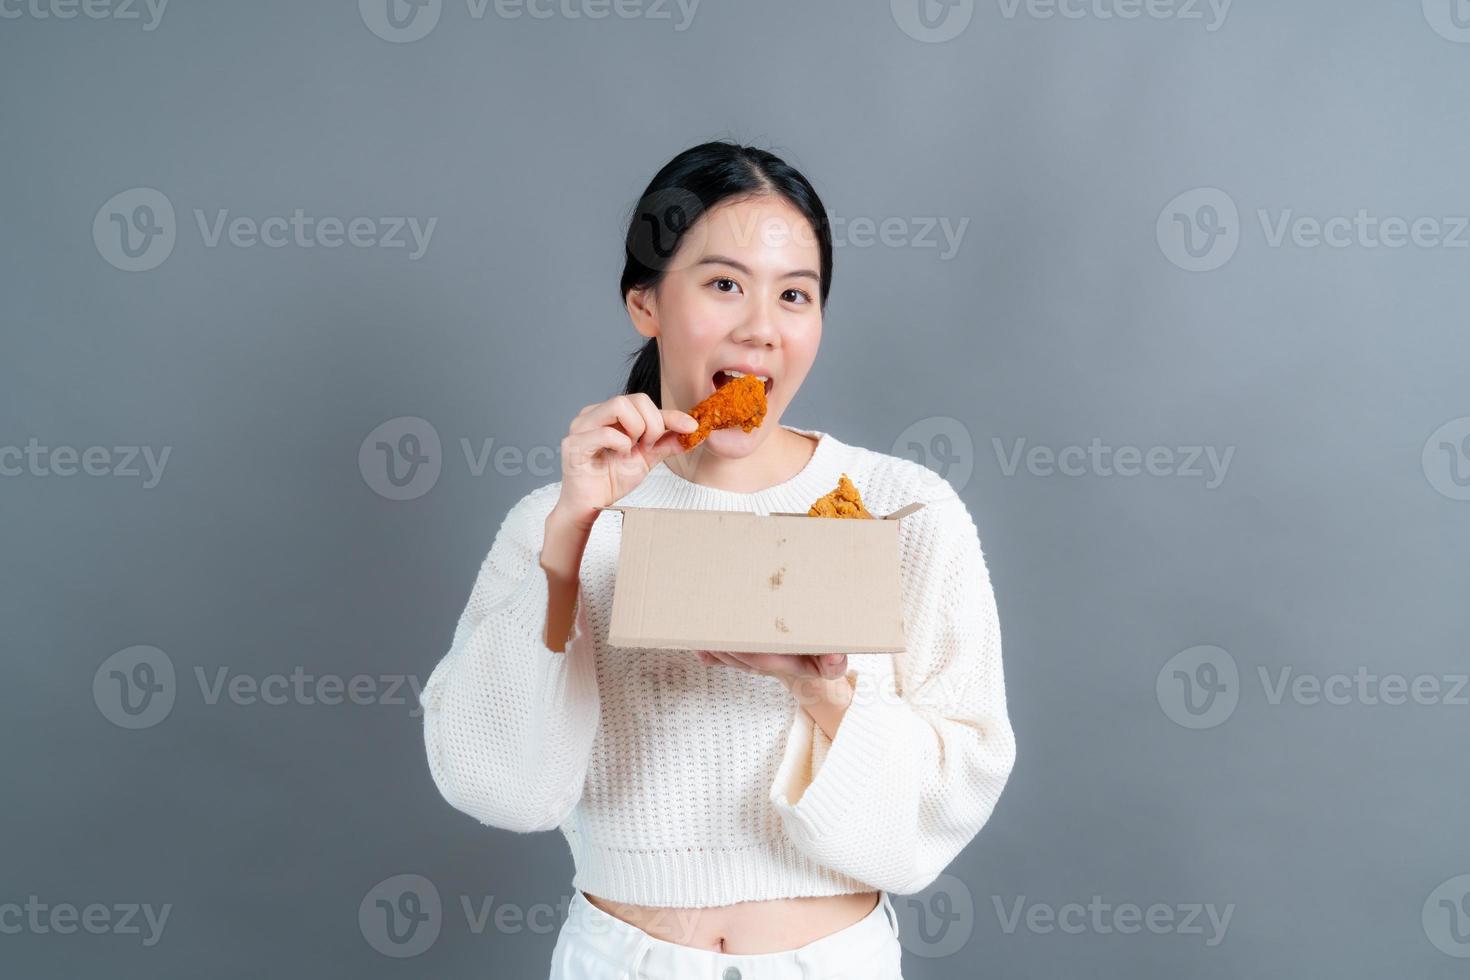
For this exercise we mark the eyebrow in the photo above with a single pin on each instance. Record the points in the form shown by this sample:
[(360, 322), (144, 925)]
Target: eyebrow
[(724, 260)]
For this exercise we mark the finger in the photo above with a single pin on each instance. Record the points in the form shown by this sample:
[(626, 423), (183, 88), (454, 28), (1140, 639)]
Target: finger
[(667, 445), (772, 663), (832, 665), (653, 419), (808, 668), (578, 450), (750, 661), (815, 666), (681, 421), (619, 411)]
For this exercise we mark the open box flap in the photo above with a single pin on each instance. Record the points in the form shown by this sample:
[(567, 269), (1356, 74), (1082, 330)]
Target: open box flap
[(899, 514)]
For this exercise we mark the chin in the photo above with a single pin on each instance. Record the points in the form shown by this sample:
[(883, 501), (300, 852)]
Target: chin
[(737, 444)]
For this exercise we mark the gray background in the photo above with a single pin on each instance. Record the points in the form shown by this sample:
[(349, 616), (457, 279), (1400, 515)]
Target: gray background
[(1333, 544)]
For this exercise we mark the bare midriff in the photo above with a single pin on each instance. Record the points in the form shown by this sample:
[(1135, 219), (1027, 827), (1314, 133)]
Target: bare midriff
[(771, 926)]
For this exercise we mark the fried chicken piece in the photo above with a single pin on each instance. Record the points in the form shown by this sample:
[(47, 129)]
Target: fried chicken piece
[(741, 401), (845, 501)]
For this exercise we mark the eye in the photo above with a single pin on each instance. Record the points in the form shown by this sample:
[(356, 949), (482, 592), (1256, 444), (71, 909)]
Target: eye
[(720, 279), (805, 296)]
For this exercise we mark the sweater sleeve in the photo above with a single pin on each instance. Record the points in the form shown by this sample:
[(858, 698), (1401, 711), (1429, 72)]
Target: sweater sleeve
[(509, 722), (918, 762)]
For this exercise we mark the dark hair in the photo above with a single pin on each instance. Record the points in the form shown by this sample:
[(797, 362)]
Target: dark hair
[(688, 185)]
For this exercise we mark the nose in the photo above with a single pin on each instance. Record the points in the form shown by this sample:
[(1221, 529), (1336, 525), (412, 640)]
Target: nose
[(759, 328)]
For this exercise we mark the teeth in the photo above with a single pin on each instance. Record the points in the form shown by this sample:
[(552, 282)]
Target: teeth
[(740, 374)]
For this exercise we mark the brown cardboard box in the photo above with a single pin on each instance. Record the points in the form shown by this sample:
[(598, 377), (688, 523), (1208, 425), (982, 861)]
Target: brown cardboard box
[(777, 583)]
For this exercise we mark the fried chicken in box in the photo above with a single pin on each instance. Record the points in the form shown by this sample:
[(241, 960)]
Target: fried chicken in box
[(740, 401), (845, 501)]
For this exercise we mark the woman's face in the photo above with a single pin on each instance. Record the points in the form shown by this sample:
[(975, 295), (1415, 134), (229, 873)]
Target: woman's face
[(742, 291)]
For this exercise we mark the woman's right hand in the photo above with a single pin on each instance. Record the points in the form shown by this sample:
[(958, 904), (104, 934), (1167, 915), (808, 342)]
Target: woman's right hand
[(610, 447)]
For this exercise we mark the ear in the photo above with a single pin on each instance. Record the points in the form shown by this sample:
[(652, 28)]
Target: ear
[(643, 312)]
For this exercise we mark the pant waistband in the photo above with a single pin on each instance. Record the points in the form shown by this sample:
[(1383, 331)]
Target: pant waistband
[(870, 940)]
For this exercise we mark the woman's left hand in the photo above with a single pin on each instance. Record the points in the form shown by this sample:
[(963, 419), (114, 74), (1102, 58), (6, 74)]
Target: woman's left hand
[(788, 667)]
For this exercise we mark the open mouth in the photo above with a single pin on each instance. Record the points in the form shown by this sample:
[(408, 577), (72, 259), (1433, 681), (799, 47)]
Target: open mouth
[(724, 377)]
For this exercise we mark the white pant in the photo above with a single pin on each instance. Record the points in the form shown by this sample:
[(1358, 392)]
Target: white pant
[(593, 945)]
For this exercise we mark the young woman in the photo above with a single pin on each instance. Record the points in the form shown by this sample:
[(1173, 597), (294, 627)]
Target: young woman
[(729, 814)]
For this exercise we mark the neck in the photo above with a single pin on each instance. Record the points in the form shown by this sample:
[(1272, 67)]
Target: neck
[(778, 457)]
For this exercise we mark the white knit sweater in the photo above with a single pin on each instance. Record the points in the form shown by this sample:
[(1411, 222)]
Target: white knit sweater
[(681, 784)]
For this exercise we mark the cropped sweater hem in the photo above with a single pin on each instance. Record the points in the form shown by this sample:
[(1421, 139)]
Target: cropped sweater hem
[(706, 877)]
